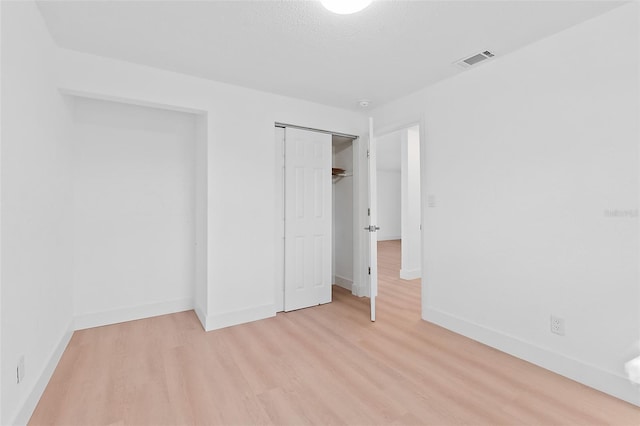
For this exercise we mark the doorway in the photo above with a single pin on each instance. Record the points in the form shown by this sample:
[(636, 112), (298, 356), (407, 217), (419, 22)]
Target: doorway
[(343, 193), (399, 217), (398, 197)]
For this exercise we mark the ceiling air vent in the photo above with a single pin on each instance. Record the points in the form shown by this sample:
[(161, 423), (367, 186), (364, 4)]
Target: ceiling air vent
[(475, 59)]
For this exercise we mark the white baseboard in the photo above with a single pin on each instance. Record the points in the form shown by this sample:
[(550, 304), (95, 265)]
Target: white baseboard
[(589, 375), (363, 290), (80, 322), (28, 405), (410, 274), (343, 282), (228, 319), (202, 317), (98, 319)]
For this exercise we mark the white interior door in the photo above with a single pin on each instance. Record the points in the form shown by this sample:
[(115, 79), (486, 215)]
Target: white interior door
[(373, 220), (307, 219)]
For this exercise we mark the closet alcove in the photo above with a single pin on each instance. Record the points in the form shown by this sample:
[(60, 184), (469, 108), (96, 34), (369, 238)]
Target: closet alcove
[(343, 201)]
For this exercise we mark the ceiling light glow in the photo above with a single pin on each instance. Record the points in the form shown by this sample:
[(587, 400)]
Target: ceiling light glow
[(345, 7)]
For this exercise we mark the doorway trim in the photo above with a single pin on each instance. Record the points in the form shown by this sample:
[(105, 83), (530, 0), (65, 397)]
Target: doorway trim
[(406, 124), (311, 129)]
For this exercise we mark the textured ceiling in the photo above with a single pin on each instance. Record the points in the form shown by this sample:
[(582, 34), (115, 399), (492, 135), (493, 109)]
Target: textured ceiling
[(299, 49)]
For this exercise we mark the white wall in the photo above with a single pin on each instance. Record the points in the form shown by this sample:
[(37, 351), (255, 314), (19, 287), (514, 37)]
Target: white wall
[(524, 156), (410, 267), (134, 210), (388, 148), (343, 203), (389, 205), (36, 206), (240, 169)]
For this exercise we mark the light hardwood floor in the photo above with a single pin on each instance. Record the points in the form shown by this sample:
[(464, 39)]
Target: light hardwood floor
[(323, 365)]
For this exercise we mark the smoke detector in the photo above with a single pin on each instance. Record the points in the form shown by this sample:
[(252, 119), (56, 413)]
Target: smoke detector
[(475, 59), (364, 103)]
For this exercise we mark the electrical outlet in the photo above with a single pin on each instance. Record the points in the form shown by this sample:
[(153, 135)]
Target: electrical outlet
[(557, 325), (20, 370), (431, 201)]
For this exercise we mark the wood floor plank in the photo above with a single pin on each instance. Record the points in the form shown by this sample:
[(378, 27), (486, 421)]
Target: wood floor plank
[(327, 365)]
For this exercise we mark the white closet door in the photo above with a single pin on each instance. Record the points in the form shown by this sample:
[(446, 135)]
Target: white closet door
[(307, 219)]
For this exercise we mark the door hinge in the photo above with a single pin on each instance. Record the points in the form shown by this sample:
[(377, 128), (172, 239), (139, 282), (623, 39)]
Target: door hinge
[(368, 212), (369, 270), (368, 154)]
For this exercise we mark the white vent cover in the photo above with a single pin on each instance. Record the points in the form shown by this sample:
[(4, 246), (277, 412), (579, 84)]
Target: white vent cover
[(474, 59)]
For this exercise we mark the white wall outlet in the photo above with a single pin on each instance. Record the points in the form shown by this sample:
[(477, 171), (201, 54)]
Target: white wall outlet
[(431, 200), (557, 325), (20, 370)]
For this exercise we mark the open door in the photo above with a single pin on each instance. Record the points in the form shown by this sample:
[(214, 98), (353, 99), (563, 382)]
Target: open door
[(373, 220), (307, 272)]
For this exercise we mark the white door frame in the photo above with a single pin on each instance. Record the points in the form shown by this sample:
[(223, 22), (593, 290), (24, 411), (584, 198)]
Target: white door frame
[(394, 127), (403, 141), (359, 205), (278, 296)]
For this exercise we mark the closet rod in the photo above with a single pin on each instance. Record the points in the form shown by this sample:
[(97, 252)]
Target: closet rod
[(293, 126)]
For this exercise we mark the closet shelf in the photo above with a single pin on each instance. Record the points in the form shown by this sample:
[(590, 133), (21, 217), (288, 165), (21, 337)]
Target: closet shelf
[(337, 174), (337, 177), (336, 171)]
